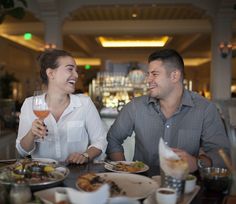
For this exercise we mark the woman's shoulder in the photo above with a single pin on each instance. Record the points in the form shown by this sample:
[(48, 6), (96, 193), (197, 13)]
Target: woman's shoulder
[(81, 98)]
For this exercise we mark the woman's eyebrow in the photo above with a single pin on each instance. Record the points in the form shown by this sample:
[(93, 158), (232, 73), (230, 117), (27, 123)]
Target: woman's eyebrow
[(70, 65)]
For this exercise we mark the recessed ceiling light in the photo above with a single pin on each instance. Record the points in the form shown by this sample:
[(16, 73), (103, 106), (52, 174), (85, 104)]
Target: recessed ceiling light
[(87, 61), (133, 41), (195, 61)]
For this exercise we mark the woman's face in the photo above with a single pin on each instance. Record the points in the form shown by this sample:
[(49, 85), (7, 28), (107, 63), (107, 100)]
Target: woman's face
[(65, 76)]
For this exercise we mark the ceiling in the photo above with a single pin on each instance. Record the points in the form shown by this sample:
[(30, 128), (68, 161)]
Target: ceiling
[(187, 44), (86, 23)]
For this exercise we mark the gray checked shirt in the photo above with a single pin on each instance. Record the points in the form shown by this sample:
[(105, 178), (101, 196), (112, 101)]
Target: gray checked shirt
[(195, 124)]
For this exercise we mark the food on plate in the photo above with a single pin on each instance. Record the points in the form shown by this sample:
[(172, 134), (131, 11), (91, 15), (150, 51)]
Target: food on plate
[(91, 182), (129, 167), (28, 171)]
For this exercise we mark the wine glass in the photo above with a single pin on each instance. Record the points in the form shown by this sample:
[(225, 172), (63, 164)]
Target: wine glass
[(40, 107)]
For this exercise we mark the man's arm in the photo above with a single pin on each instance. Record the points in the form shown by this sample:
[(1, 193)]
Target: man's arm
[(214, 136), (117, 156), (119, 131)]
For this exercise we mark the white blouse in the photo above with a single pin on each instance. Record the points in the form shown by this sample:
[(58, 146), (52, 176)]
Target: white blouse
[(79, 128)]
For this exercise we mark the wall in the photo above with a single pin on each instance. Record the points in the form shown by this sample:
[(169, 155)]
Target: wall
[(22, 63)]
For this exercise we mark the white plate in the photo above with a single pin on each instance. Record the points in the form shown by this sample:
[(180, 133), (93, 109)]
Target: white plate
[(134, 185), (46, 160), (48, 195), (109, 166)]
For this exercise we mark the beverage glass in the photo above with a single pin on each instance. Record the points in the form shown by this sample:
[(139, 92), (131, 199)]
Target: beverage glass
[(20, 193), (40, 108)]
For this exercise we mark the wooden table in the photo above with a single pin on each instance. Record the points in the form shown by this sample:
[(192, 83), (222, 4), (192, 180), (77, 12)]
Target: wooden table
[(203, 197)]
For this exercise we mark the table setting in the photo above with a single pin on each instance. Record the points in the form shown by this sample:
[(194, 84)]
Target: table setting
[(43, 180)]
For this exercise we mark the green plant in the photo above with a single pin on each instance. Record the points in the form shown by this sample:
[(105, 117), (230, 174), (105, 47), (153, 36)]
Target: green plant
[(7, 7)]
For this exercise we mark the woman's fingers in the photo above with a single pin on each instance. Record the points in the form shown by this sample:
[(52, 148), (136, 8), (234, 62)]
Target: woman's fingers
[(76, 158), (38, 128)]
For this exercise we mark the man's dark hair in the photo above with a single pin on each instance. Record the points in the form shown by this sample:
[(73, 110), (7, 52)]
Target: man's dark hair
[(170, 58), (49, 59)]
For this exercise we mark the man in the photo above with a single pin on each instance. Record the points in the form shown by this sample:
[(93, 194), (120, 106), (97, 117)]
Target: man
[(185, 120)]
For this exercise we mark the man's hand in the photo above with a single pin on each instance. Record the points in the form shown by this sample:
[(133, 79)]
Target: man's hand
[(192, 161)]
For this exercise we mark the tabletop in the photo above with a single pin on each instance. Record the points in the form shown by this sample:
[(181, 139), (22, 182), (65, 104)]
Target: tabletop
[(203, 196)]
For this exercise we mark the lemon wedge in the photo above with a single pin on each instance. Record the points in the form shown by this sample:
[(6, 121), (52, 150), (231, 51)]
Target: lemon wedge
[(48, 169)]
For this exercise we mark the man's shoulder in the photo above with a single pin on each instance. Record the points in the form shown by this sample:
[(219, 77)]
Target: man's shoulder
[(200, 101), (140, 99)]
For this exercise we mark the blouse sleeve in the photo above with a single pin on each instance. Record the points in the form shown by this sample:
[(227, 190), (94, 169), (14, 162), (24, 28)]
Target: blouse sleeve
[(25, 122), (95, 127)]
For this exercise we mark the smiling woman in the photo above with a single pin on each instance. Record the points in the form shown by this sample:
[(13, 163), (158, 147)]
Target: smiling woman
[(73, 121)]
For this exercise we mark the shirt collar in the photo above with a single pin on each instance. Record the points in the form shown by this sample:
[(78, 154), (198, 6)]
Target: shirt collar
[(75, 101), (185, 101)]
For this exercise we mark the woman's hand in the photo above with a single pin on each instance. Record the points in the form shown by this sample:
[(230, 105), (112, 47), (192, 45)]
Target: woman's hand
[(76, 158), (39, 129)]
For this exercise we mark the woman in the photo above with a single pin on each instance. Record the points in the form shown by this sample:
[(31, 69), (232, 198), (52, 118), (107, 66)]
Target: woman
[(73, 125)]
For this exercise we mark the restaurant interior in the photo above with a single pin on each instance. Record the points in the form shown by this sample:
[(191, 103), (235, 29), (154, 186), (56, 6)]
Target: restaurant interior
[(111, 41)]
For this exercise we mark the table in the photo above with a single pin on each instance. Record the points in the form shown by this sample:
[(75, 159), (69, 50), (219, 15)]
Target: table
[(203, 197)]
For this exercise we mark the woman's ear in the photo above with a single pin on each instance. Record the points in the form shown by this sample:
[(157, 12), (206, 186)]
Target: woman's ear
[(50, 73)]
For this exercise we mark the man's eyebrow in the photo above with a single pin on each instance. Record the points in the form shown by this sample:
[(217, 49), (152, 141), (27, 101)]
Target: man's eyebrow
[(153, 71)]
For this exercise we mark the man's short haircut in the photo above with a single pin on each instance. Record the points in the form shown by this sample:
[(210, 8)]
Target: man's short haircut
[(170, 58)]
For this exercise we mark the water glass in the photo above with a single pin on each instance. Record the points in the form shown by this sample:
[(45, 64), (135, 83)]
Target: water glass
[(20, 193)]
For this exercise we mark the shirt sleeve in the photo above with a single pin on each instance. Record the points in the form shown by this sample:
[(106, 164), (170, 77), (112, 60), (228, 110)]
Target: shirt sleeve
[(25, 123), (121, 128), (214, 135), (95, 127)]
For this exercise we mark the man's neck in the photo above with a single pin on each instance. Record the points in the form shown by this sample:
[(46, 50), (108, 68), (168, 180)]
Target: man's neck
[(170, 104)]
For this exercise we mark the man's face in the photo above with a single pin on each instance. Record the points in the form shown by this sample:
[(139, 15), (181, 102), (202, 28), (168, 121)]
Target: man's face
[(159, 80)]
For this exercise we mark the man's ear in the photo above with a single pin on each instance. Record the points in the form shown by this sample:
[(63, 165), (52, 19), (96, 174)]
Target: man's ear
[(175, 75), (50, 73)]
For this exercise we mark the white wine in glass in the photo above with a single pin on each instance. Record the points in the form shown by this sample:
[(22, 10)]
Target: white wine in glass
[(40, 107)]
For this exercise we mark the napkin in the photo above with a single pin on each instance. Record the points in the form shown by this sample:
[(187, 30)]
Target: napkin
[(99, 197), (171, 163)]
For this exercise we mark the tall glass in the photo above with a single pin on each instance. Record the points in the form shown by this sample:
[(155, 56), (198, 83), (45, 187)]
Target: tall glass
[(40, 108)]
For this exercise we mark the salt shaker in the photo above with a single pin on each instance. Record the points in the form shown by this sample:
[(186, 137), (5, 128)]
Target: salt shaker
[(20, 193)]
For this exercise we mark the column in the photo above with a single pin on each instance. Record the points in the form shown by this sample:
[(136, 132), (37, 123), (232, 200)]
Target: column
[(53, 31), (221, 66)]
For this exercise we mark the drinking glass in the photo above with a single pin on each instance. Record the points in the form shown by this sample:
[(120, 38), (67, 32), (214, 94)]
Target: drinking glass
[(20, 193), (40, 108)]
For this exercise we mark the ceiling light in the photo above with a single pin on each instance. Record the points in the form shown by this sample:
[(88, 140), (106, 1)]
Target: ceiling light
[(133, 42), (88, 61), (195, 61)]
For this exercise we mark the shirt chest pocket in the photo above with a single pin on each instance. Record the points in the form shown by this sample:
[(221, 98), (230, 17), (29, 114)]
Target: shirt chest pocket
[(75, 131)]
